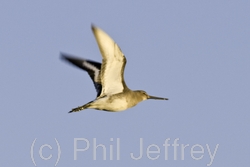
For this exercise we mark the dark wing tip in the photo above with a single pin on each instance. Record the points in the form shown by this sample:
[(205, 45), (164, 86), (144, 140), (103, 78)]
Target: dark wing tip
[(62, 55), (65, 56), (72, 59), (93, 27)]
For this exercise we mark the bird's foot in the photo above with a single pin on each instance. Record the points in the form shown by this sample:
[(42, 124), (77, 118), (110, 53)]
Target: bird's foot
[(77, 109)]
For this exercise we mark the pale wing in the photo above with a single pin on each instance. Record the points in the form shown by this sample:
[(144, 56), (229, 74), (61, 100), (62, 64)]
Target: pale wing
[(113, 63)]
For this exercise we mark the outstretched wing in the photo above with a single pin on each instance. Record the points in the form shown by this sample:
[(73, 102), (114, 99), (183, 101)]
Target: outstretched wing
[(113, 63), (92, 67)]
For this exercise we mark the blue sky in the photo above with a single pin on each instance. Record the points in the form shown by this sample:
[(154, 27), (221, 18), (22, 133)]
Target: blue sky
[(196, 53)]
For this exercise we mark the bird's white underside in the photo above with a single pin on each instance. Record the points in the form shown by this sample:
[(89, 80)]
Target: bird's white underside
[(102, 104)]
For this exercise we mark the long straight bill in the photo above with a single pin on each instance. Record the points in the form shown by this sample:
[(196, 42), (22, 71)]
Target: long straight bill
[(157, 98)]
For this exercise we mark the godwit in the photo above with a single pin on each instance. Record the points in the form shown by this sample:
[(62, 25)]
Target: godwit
[(112, 91)]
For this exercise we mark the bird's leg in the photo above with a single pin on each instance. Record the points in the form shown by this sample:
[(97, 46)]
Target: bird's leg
[(80, 107)]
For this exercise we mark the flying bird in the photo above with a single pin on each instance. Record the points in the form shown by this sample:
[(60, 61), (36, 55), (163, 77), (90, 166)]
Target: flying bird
[(108, 78)]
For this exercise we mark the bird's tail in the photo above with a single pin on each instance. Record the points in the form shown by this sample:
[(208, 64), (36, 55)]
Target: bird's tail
[(85, 106)]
